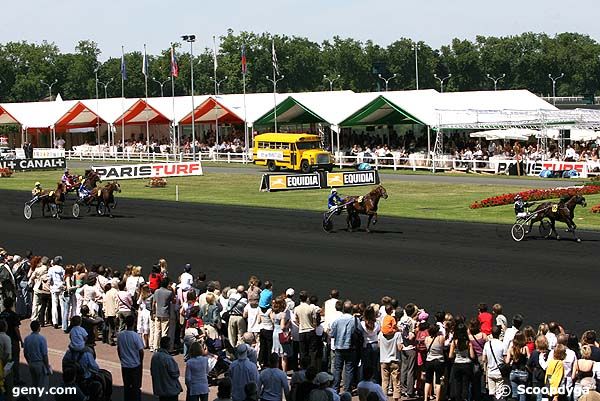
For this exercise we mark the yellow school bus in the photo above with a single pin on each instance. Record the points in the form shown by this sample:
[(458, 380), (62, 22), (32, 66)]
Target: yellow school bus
[(299, 152)]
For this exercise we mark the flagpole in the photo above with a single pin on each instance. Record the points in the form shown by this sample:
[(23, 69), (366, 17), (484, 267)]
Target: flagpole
[(216, 95), (244, 71), (145, 67), (123, 97), (175, 138), (275, 98)]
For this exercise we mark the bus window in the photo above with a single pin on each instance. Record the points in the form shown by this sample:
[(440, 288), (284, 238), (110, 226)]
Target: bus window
[(308, 145)]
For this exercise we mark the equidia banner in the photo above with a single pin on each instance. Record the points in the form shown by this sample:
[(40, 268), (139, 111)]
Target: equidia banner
[(34, 164), (317, 180), (352, 178), (155, 170)]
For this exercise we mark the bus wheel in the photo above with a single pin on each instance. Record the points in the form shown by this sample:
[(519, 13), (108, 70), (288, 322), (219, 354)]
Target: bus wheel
[(272, 166), (305, 167)]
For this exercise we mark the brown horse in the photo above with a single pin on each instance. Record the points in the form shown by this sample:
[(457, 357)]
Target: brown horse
[(564, 211), (105, 197), (53, 201), (357, 205)]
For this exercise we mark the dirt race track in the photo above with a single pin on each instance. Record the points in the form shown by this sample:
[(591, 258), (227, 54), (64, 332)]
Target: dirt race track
[(439, 265)]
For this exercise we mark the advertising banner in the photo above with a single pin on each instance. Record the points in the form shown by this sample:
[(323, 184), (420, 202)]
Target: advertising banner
[(154, 170), (34, 164)]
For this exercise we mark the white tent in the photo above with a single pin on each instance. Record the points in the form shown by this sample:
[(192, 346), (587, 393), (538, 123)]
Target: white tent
[(519, 134)]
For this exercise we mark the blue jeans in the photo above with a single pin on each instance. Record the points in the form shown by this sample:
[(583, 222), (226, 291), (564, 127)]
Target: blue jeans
[(66, 308), (344, 359), (517, 377)]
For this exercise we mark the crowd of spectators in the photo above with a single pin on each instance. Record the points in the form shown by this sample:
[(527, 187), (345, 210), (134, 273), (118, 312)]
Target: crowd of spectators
[(274, 342)]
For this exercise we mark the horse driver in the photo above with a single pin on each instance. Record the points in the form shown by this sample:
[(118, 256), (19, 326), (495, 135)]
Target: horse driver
[(36, 192), (520, 206), (83, 191), (334, 199), (67, 179)]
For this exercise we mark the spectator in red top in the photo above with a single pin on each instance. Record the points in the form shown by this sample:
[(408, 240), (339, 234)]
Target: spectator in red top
[(486, 319)]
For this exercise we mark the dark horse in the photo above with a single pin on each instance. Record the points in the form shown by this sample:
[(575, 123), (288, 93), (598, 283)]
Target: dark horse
[(367, 204), (90, 179), (54, 199), (564, 211), (105, 197)]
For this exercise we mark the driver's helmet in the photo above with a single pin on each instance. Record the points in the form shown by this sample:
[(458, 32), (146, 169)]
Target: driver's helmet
[(333, 191), (66, 171), (38, 184), (518, 198)]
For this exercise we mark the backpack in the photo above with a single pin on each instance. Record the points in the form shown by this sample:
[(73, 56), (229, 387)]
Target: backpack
[(357, 336), (74, 364), (154, 281), (421, 336)]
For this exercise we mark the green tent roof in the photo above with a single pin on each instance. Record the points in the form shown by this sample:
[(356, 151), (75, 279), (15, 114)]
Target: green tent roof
[(290, 111), (380, 112)]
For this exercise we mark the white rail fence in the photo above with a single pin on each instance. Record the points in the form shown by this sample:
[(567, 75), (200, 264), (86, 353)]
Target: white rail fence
[(414, 162)]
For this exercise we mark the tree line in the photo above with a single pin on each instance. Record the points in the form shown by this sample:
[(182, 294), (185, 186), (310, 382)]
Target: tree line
[(526, 60)]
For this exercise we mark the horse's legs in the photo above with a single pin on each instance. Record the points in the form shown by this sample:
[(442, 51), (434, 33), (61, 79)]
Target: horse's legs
[(374, 218), (369, 222), (572, 227)]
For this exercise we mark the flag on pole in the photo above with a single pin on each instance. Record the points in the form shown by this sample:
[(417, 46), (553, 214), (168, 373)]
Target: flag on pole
[(174, 65), (215, 55), (244, 64), (275, 65), (123, 66), (145, 63)]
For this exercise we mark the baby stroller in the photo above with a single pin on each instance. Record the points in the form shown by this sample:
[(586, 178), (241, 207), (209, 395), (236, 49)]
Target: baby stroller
[(219, 347)]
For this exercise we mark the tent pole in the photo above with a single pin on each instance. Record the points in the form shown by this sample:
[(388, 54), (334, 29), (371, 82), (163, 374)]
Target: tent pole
[(428, 143)]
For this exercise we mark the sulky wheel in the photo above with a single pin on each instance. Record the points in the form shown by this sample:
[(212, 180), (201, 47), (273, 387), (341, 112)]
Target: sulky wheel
[(545, 228), (327, 222), (518, 232), (27, 211), (101, 208), (75, 210)]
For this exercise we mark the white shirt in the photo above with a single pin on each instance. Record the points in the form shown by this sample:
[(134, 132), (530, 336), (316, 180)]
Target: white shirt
[(185, 281), (509, 334), (330, 312), (552, 340), (133, 283), (56, 278), (252, 314), (493, 350)]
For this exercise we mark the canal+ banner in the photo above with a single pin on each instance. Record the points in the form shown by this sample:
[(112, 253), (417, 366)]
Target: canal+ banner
[(154, 170), (317, 180)]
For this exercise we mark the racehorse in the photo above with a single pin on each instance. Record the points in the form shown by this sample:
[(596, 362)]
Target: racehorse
[(105, 197), (54, 199), (90, 179), (564, 211), (367, 205)]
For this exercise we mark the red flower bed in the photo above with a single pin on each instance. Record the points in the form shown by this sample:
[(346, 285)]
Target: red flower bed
[(536, 195), (5, 172), (596, 208)]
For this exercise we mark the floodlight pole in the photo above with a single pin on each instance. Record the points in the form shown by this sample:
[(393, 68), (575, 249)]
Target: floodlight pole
[(331, 81), (161, 84), (105, 86), (416, 47), (386, 80), (442, 81), (49, 87), (495, 80), (554, 86), (274, 82)]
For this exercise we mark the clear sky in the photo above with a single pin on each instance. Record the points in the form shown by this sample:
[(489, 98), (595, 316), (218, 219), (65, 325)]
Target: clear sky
[(112, 23)]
